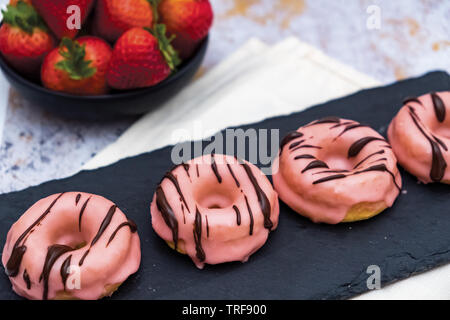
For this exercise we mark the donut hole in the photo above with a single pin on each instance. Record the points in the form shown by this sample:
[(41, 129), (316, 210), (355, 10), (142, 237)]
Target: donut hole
[(71, 237), (338, 163), (72, 242), (214, 195), (336, 158), (215, 200), (215, 206)]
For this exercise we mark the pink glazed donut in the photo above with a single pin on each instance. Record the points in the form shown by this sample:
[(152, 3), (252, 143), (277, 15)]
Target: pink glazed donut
[(215, 209), (71, 246), (335, 170), (420, 136)]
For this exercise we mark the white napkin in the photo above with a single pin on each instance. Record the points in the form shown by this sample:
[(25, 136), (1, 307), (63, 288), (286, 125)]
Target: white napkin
[(255, 83)]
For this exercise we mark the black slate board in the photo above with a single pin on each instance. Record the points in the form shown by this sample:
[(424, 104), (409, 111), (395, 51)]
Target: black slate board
[(301, 260)]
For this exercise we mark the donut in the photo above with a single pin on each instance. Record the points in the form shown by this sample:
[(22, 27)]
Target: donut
[(420, 136), (215, 209), (336, 170), (70, 235)]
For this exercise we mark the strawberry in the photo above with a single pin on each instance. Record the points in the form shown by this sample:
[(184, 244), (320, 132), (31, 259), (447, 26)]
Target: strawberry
[(78, 66), (141, 58), (55, 13), (24, 39), (114, 17), (188, 20)]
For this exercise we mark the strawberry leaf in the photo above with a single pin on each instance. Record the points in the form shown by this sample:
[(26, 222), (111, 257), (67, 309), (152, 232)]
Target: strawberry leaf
[(74, 62), (24, 16), (169, 53)]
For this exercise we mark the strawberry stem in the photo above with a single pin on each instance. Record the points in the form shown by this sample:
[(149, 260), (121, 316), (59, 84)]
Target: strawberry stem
[(169, 53), (24, 16), (154, 4), (74, 62)]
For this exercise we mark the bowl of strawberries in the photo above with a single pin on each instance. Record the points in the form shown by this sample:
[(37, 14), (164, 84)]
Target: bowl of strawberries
[(102, 58)]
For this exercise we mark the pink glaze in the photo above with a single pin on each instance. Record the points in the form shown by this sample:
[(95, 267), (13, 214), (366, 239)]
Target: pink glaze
[(104, 265), (208, 212), (328, 148), (420, 137)]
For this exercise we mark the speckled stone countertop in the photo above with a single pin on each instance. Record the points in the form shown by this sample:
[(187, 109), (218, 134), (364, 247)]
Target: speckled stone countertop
[(413, 37)]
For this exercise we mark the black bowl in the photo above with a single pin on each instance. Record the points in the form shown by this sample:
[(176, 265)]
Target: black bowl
[(113, 105)]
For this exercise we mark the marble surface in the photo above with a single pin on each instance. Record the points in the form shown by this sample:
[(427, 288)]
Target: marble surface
[(413, 38)]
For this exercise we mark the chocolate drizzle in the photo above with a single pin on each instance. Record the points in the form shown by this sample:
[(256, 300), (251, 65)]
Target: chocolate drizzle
[(304, 156), (13, 265), (315, 164), (411, 99), (329, 178), (378, 167), (442, 144), (358, 145), (214, 168), (250, 213), (184, 214), (196, 168), (368, 157), (378, 160), (77, 199), (200, 254), (105, 223), (439, 107), (331, 171), (26, 278), (325, 120), (186, 168), (339, 124), (15, 260), (288, 138), (207, 227), (82, 212), (262, 198), (130, 223), (234, 177), (65, 270), (438, 163), (80, 263), (167, 213), (53, 253), (296, 144), (174, 180), (238, 215), (306, 146), (349, 127)]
